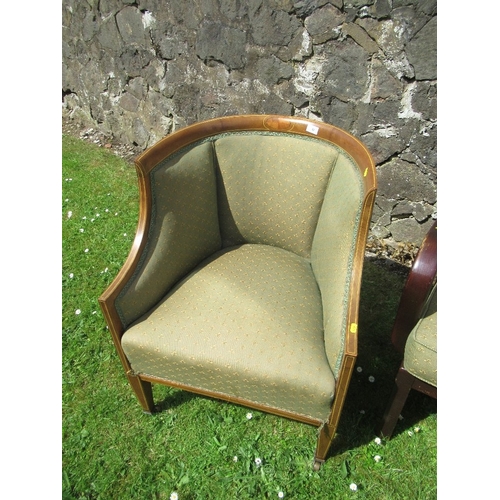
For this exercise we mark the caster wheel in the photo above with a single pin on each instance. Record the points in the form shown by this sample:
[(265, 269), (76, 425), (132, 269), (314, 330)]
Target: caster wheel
[(317, 465)]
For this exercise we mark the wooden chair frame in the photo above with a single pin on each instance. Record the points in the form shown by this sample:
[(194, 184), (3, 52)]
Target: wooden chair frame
[(417, 288), (291, 125)]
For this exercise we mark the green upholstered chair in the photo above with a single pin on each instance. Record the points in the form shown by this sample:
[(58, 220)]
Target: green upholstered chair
[(243, 279), (414, 333)]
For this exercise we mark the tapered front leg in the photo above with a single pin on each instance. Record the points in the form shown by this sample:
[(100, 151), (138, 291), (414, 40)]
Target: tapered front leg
[(144, 392)]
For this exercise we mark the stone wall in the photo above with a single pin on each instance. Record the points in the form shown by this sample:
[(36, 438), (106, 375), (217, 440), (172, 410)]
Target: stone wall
[(140, 70)]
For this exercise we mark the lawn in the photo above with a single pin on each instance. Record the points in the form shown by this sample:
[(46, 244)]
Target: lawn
[(202, 448)]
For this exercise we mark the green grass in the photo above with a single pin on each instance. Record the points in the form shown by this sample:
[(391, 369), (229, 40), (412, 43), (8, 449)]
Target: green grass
[(112, 450)]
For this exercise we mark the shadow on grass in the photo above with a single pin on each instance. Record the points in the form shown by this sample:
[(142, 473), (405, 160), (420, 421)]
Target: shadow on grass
[(377, 363), (173, 399)]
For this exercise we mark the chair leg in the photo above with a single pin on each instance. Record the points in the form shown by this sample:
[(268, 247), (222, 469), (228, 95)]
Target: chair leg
[(143, 390), (325, 438), (329, 428), (404, 382)]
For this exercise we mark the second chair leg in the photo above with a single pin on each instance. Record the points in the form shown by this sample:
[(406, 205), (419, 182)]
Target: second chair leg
[(144, 392), (404, 382)]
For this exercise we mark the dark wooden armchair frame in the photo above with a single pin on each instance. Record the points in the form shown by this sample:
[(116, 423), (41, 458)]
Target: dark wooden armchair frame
[(420, 281), (145, 163)]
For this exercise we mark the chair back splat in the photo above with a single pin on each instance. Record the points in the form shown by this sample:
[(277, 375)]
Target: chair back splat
[(244, 275)]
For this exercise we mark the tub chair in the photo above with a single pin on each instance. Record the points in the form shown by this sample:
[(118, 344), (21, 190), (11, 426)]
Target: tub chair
[(414, 334), (243, 280)]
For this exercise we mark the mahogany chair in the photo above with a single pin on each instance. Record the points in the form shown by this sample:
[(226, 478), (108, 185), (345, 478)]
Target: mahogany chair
[(243, 280), (414, 334)]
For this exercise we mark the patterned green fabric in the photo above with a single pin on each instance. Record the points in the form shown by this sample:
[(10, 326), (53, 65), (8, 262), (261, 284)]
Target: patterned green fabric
[(420, 357), (184, 228), (247, 322), (333, 251), (270, 189)]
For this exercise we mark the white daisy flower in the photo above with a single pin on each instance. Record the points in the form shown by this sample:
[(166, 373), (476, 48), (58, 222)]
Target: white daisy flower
[(353, 487)]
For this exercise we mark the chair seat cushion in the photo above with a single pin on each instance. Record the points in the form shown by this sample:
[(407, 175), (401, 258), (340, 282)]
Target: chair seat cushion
[(420, 357), (247, 322)]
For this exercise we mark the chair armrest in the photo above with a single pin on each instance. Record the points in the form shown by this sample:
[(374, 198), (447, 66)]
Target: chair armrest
[(338, 254), (416, 290), (178, 228)]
